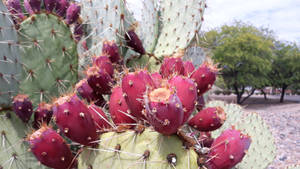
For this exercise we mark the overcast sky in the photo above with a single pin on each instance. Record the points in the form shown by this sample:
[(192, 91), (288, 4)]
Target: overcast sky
[(281, 16)]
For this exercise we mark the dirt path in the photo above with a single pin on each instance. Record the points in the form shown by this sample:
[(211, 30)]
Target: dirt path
[(284, 122)]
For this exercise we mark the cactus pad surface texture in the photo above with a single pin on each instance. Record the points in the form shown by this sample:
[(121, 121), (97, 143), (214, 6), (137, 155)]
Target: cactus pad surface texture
[(10, 67)]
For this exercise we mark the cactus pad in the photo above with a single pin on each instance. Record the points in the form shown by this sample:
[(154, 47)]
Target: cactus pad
[(148, 150), (49, 57), (181, 21), (14, 152), (10, 67)]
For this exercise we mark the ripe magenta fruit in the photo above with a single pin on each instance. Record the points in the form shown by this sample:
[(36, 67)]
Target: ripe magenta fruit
[(188, 68), (32, 6), (205, 77), (22, 106), (164, 110), (208, 119), (85, 91), (103, 62), (74, 119), (43, 114), (228, 149), (134, 86), (73, 13), (133, 41), (50, 149), (50, 5), (157, 79), (111, 49), (99, 80), (187, 92), (14, 7), (99, 117), (171, 66), (118, 108), (61, 7)]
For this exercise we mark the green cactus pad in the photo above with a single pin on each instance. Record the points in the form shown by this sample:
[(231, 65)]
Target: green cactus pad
[(10, 67), (14, 152), (49, 57), (105, 20), (181, 21), (132, 149), (262, 150), (147, 28)]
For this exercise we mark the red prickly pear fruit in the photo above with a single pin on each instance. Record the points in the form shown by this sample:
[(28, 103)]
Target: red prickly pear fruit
[(61, 7), (28, 7), (78, 31), (118, 108), (171, 66), (14, 7), (134, 42), (205, 139), (43, 114), (186, 90), (188, 68), (22, 106), (200, 103), (205, 77), (228, 149), (208, 119), (134, 86), (45, 143), (164, 110), (50, 5), (99, 117), (73, 13), (85, 90), (99, 80), (111, 49), (157, 79), (75, 120), (34, 6), (103, 62)]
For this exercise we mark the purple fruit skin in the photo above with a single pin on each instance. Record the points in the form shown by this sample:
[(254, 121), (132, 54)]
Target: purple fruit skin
[(165, 118), (35, 5), (78, 31), (73, 12), (50, 5), (14, 8), (43, 114), (61, 7), (134, 42), (28, 7), (22, 106), (111, 49)]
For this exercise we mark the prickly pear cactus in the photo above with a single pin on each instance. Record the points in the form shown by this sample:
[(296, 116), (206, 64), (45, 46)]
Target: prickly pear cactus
[(14, 152), (181, 21), (262, 150), (10, 66), (107, 22), (49, 57), (147, 150)]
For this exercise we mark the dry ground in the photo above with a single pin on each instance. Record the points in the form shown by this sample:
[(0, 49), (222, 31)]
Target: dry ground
[(284, 122)]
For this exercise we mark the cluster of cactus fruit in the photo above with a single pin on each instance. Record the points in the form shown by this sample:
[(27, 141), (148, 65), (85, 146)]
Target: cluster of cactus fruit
[(115, 116)]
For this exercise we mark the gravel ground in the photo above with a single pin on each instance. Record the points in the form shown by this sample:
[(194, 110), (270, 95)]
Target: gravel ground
[(284, 122)]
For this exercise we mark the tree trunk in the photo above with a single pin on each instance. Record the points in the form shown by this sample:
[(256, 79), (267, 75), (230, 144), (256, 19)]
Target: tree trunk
[(282, 93), (265, 94)]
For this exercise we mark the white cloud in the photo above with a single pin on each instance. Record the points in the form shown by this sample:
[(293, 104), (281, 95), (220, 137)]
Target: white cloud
[(282, 16)]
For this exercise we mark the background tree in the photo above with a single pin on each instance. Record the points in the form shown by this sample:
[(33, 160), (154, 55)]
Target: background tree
[(243, 53), (285, 66)]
